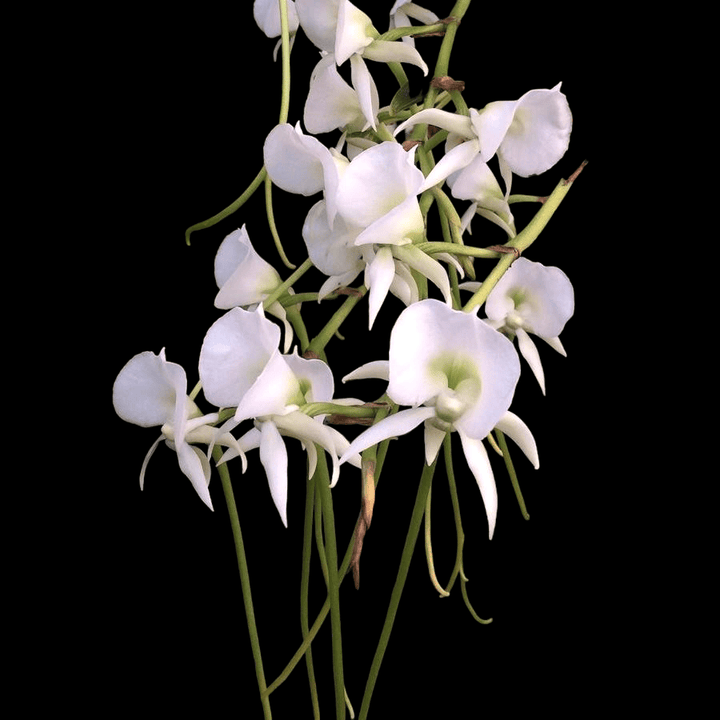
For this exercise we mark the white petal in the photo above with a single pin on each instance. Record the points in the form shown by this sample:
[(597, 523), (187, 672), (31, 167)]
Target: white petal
[(294, 161), (454, 123), (353, 27), (376, 181), (479, 463), (243, 277), (515, 428), (273, 456), (397, 424), (196, 470), (145, 391), (386, 51), (454, 160), (331, 248), (380, 273), (314, 375), (378, 369), (529, 352), (433, 440), (331, 103), (540, 132), (425, 265), (274, 390), (234, 352), (363, 83), (318, 19)]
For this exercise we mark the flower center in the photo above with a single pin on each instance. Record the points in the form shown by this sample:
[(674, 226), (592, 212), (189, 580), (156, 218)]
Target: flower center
[(463, 386)]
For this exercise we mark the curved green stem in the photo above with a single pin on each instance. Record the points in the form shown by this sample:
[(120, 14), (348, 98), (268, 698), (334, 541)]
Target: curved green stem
[(230, 209), (410, 540), (244, 581)]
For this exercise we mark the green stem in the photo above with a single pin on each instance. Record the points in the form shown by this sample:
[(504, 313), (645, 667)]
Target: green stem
[(410, 540), (271, 223), (230, 209), (323, 486), (244, 581), (285, 39), (317, 345), (523, 240), (305, 592)]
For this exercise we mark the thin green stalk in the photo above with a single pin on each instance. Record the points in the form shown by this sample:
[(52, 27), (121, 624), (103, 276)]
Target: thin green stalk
[(285, 40), (318, 343), (230, 209), (323, 487), (305, 592), (410, 541), (244, 581)]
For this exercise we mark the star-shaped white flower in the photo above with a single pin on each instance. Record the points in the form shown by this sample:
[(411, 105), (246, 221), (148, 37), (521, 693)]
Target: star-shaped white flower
[(242, 367), (531, 298), (368, 218), (457, 374), (150, 391), (528, 135)]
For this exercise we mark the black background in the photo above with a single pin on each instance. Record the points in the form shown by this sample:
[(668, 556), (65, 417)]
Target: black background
[(150, 577)]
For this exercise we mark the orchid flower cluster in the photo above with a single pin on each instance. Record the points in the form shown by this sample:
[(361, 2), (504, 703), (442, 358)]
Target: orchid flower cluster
[(449, 369)]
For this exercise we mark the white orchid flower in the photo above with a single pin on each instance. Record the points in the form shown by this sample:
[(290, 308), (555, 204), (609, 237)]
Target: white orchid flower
[(377, 198), (340, 28), (241, 367), (531, 298), (245, 279), (457, 374), (528, 135), (369, 216), (150, 391)]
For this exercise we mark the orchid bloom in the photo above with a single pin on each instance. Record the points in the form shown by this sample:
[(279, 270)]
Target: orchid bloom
[(245, 279), (340, 28), (528, 135), (531, 298), (150, 391), (369, 216), (241, 367), (457, 374)]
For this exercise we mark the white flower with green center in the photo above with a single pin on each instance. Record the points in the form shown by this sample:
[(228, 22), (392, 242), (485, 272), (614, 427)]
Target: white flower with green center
[(458, 374), (531, 298), (241, 367), (150, 391), (368, 219), (528, 135)]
